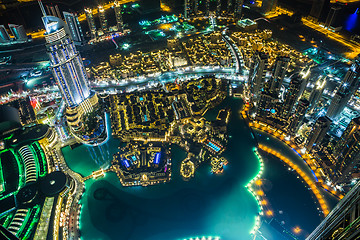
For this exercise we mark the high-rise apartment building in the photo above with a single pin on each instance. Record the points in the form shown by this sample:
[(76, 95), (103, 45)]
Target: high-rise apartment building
[(291, 96), (298, 116), (332, 15), (103, 20), (348, 87), (118, 16), (347, 152), (91, 22), (258, 69), (318, 132), (317, 92), (278, 74), (74, 26), (18, 31), (68, 71), (207, 7)]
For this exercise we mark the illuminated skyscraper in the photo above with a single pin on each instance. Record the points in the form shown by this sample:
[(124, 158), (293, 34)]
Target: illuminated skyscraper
[(318, 132), (298, 116), (317, 92), (348, 87), (118, 15), (74, 26), (343, 222), (238, 8), (103, 20), (258, 68), (291, 96), (18, 31), (347, 152), (4, 36), (278, 74), (68, 70), (91, 22)]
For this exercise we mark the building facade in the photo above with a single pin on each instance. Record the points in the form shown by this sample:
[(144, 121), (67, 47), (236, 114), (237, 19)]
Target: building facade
[(318, 132), (91, 22), (74, 26)]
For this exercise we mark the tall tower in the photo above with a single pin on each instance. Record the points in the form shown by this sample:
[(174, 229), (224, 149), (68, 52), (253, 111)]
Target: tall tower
[(102, 17), (331, 17), (118, 15), (258, 68), (238, 8), (291, 96), (74, 26), (317, 92), (91, 22), (347, 152), (318, 132), (68, 71), (298, 117), (343, 221), (278, 74), (348, 87)]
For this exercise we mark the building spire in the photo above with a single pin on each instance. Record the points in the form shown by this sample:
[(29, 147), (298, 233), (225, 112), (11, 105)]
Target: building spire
[(42, 8)]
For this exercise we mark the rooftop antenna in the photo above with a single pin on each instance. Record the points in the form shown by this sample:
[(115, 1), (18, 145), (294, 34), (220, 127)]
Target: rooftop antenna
[(42, 8)]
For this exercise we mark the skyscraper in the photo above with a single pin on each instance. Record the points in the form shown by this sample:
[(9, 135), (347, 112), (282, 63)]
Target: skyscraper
[(347, 152), (298, 116), (238, 8), (103, 20), (278, 74), (91, 22), (18, 31), (317, 92), (291, 96), (266, 105), (196, 7), (68, 70), (74, 26), (318, 132), (348, 87), (258, 68), (343, 222), (118, 15), (4, 36)]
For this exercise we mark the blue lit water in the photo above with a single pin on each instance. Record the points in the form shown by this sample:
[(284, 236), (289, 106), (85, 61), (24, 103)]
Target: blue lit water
[(207, 205)]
